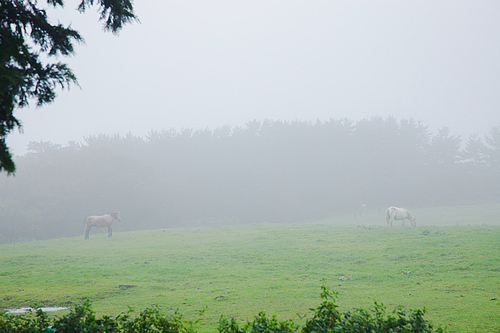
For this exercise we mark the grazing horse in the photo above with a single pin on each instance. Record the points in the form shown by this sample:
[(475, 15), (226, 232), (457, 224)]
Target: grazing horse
[(394, 213), (100, 222)]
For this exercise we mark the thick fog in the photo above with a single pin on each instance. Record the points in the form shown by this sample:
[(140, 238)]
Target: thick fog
[(200, 64), (264, 172), (220, 112)]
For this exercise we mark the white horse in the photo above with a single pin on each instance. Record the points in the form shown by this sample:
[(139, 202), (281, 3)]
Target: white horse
[(394, 213), (362, 209), (99, 222)]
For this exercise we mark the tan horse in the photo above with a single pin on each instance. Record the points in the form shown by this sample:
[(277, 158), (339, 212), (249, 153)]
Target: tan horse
[(394, 213), (100, 222)]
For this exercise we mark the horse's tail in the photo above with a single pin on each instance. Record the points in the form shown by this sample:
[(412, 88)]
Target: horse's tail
[(387, 215), (85, 223)]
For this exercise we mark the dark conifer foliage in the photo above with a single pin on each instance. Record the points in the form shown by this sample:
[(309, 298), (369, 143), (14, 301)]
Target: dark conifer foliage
[(27, 40), (268, 171)]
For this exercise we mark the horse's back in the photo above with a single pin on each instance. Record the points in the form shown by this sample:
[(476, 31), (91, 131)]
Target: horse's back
[(396, 213), (390, 211), (99, 221), (400, 213), (89, 219)]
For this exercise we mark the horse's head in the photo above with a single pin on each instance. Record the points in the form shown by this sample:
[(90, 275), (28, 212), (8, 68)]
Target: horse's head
[(413, 222), (116, 216)]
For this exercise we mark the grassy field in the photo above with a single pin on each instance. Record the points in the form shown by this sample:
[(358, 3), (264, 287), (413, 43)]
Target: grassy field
[(449, 264)]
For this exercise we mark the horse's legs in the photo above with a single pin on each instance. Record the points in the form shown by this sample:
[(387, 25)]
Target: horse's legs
[(87, 231), (110, 232)]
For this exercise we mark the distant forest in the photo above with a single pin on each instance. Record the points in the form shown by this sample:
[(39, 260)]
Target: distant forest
[(268, 171)]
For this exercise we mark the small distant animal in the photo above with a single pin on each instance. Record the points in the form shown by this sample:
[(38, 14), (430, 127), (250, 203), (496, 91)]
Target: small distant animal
[(362, 208), (100, 222), (394, 213)]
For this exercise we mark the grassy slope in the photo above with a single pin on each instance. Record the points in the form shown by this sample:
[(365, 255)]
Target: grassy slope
[(239, 270)]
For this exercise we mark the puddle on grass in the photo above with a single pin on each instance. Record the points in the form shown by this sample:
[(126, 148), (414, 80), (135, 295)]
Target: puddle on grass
[(22, 310)]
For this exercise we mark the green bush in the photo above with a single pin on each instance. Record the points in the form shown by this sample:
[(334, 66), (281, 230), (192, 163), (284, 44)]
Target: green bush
[(326, 319), (151, 320), (82, 319), (24, 322), (260, 324)]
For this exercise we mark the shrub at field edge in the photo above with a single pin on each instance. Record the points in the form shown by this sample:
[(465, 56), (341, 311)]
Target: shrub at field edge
[(327, 318)]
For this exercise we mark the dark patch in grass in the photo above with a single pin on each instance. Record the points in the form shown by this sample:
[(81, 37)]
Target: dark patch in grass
[(220, 298), (126, 286)]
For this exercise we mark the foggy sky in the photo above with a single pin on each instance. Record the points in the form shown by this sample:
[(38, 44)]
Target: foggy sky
[(204, 64)]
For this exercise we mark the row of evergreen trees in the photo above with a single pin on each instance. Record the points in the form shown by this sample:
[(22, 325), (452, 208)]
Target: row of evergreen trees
[(268, 171)]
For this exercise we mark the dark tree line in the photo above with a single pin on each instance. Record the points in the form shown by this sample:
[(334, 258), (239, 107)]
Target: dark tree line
[(270, 171)]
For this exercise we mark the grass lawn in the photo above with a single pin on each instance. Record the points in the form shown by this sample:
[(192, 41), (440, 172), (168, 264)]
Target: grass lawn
[(449, 264)]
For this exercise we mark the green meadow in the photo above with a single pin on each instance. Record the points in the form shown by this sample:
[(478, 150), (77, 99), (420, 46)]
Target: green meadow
[(449, 264)]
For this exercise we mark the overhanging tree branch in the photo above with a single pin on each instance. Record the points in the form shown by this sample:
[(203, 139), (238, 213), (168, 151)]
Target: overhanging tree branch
[(25, 34)]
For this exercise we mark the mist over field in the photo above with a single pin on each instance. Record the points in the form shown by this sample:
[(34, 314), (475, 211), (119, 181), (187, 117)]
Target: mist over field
[(357, 96), (265, 172)]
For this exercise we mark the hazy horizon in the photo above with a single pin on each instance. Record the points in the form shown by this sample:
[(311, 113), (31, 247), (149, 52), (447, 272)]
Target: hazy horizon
[(205, 65)]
